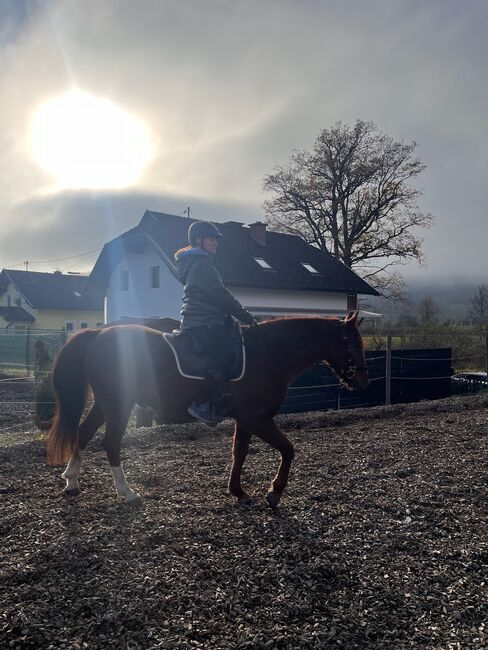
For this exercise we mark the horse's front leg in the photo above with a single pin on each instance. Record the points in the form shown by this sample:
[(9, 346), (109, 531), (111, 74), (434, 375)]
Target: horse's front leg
[(267, 430), (114, 432), (239, 453)]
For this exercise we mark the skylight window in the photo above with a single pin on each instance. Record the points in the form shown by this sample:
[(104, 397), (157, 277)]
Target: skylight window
[(310, 268), (77, 294), (262, 263)]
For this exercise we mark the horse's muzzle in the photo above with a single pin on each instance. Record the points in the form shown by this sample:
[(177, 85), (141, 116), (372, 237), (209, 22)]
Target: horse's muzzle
[(359, 381)]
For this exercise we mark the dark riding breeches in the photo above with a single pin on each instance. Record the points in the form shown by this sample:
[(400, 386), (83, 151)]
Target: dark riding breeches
[(215, 340)]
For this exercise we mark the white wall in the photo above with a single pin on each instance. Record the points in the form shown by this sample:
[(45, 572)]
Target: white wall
[(140, 300)]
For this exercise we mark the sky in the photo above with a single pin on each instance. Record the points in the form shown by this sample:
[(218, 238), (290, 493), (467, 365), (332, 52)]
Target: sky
[(224, 91)]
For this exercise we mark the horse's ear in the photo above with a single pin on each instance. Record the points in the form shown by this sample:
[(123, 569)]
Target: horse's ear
[(352, 317), (358, 324)]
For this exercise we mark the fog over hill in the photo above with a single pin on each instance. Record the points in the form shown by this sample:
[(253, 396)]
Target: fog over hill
[(451, 295)]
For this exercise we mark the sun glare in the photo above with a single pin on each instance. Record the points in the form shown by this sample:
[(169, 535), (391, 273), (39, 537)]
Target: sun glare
[(88, 142)]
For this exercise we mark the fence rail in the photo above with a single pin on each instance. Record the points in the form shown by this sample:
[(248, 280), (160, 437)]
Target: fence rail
[(395, 374)]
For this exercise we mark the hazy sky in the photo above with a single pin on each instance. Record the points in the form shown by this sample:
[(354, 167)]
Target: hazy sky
[(227, 89)]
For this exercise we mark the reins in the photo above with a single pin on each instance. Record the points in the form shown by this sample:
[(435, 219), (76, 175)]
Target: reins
[(352, 368)]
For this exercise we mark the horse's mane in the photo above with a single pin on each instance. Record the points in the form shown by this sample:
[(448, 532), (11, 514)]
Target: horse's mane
[(284, 328)]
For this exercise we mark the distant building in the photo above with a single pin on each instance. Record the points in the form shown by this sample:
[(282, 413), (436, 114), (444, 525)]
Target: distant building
[(270, 273), (46, 301)]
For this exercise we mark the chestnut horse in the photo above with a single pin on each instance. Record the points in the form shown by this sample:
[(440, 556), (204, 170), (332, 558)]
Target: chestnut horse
[(132, 364)]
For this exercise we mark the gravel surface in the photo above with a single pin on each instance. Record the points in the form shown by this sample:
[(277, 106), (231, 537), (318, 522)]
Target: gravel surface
[(380, 542)]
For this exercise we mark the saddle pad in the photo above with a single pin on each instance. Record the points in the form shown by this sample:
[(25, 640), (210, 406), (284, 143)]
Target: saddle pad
[(195, 366)]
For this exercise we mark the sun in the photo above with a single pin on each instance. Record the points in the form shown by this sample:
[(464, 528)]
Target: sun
[(84, 141)]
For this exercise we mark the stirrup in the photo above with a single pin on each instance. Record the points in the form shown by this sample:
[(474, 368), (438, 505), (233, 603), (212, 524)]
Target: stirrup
[(207, 416)]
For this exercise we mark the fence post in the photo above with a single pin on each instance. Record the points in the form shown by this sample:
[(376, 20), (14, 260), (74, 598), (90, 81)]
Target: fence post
[(388, 371), (486, 352), (27, 351), (338, 399)]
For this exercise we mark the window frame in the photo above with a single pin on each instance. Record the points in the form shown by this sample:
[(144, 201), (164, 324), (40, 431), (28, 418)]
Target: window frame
[(310, 268), (262, 263), (124, 280), (153, 277)]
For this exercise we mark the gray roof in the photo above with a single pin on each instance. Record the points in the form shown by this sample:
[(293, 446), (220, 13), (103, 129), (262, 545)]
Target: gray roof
[(236, 257), (16, 315), (52, 290)]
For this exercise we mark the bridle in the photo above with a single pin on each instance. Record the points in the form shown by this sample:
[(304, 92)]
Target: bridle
[(352, 368)]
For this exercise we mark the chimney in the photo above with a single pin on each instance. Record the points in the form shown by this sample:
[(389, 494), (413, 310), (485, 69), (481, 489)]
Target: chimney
[(257, 231)]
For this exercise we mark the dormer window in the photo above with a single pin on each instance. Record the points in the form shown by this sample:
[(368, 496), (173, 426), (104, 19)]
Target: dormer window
[(310, 268), (262, 263)]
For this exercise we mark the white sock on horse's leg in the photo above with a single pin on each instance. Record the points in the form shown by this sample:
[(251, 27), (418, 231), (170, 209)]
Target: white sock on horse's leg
[(72, 472), (121, 485)]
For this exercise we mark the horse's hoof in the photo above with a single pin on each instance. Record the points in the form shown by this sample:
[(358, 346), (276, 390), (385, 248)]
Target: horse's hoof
[(244, 500), (74, 492), (273, 500), (135, 502)]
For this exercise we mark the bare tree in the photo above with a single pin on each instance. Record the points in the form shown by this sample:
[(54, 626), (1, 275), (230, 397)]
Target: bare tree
[(352, 196), (428, 311), (478, 307)]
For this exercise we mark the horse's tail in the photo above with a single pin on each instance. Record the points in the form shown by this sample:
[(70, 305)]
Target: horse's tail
[(70, 386)]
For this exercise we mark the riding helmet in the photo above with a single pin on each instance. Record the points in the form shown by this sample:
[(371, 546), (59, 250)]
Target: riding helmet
[(201, 229)]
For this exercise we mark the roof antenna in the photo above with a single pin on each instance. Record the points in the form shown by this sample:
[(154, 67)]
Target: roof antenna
[(26, 264), (188, 212)]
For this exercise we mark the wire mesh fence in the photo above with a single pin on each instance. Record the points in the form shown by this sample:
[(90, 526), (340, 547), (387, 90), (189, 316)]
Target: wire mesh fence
[(19, 352), (399, 371)]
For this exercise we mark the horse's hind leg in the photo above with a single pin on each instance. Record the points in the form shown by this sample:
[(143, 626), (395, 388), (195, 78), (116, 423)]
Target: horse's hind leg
[(239, 453), (114, 432), (71, 474), (267, 430), (87, 430)]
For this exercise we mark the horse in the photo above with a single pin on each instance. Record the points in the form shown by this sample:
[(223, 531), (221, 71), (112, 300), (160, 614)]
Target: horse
[(126, 365)]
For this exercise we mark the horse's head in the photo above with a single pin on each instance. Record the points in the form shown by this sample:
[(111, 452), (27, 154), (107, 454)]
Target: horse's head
[(346, 358)]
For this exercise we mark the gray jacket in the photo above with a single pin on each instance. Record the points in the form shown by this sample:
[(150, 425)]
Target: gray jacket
[(206, 301)]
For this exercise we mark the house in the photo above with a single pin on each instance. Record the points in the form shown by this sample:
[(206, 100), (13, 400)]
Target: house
[(46, 301), (270, 273)]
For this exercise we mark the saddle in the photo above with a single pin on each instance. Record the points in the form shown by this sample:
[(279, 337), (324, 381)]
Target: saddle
[(193, 362)]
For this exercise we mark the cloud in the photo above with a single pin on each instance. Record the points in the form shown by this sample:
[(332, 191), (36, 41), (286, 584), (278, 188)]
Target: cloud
[(47, 230), (228, 89)]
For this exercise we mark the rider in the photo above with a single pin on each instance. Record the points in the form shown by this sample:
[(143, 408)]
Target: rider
[(207, 304)]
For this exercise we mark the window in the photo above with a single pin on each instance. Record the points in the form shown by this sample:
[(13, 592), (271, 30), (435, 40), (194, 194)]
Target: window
[(84, 324), (9, 301), (99, 323), (124, 281), (69, 326), (309, 268), (154, 277), (19, 329), (262, 263)]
